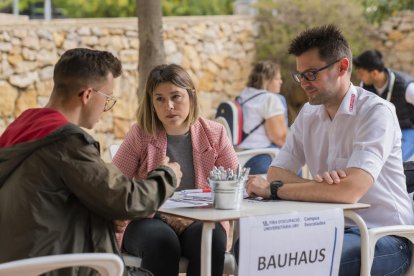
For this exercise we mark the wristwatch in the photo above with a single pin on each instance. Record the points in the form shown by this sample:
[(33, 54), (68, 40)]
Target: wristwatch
[(274, 187)]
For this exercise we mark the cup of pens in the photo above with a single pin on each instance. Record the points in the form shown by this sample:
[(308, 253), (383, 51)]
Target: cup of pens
[(227, 187)]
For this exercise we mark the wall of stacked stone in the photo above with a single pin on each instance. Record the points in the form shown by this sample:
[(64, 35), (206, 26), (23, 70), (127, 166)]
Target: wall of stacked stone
[(395, 39), (217, 51)]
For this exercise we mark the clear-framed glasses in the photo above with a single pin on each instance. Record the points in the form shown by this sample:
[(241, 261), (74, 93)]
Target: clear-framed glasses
[(110, 100), (311, 74)]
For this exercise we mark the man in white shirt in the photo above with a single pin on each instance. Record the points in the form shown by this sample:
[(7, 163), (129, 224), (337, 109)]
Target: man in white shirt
[(351, 142), (394, 86)]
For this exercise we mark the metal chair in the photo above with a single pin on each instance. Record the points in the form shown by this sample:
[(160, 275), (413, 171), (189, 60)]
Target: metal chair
[(405, 231), (106, 264)]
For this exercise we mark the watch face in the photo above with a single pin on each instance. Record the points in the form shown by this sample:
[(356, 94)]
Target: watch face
[(277, 182)]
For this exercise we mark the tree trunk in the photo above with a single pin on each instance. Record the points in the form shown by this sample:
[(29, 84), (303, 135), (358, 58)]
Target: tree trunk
[(151, 42)]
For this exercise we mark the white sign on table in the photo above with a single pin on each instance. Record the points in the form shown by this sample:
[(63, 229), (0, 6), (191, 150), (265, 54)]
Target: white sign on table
[(291, 244)]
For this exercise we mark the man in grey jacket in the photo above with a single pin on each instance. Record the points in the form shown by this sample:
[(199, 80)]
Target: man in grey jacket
[(57, 196)]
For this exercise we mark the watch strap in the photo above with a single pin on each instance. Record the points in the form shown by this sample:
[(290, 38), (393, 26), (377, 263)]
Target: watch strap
[(274, 187)]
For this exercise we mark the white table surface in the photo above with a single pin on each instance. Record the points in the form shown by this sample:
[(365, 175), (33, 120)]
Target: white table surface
[(255, 208), (208, 215)]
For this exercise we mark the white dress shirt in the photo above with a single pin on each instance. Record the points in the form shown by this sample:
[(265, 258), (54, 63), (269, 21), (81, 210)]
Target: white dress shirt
[(254, 111), (363, 134)]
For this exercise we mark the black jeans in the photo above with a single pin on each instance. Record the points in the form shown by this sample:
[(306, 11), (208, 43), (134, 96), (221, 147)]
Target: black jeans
[(160, 248)]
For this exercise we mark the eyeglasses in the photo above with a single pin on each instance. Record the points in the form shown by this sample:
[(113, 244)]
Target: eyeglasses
[(310, 75), (110, 100)]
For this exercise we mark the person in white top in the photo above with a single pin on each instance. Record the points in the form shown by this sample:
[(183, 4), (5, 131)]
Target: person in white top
[(264, 113), (351, 141), (394, 86)]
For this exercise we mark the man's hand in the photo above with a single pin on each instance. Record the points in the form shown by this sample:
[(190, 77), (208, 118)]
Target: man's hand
[(258, 186), (175, 167), (332, 177), (120, 225)]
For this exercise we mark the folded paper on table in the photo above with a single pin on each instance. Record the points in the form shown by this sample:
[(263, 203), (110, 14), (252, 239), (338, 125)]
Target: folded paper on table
[(195, 196), (187, 199), (190, 199), (170, 204)]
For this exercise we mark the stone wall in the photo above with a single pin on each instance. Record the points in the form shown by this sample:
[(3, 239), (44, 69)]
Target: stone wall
[(396, 42), (217, 51)]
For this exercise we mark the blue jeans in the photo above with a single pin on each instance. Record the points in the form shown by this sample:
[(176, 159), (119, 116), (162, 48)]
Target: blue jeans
[(260, 163), (407, 143), (392, 255)]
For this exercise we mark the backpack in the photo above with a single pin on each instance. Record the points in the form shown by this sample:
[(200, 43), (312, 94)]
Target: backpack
[(409, 175), (230, 113)]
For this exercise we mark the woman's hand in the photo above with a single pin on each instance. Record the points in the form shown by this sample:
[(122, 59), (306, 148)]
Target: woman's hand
[(175, 167)]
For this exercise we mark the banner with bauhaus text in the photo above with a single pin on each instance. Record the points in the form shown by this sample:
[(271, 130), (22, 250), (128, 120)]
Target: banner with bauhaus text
[(292, 244)]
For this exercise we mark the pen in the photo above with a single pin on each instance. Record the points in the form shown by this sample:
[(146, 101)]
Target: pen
[(204, 190)]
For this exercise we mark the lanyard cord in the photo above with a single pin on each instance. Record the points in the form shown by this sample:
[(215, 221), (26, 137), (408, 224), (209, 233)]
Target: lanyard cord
[(391, 84)]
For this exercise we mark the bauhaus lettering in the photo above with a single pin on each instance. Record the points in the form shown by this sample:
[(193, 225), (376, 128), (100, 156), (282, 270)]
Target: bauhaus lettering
[(291, 259)]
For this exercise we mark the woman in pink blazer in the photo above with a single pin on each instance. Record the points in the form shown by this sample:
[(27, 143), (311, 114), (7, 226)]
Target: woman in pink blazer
[(168, 125)]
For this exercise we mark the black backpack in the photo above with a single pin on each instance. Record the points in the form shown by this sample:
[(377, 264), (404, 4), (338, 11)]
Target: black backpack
[(230, 112), (409, 175)]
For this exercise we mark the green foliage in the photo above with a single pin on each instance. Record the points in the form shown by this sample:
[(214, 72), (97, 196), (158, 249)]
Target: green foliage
[(80, 8), (127, 8), (103, 8), (281, 20), (197, 7), (5, 4), (378, 10)]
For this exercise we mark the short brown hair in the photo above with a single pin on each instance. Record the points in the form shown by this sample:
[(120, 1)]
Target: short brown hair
[(146, 117), (262, 72), (82, 67), (329, 41)]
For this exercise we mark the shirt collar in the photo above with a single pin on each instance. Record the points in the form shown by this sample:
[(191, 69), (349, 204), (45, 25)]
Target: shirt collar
[(348, 104)]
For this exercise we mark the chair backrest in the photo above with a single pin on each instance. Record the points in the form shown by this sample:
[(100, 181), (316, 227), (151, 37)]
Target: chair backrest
[(244, 155), (112, 150), (107, 264), (222, 121)]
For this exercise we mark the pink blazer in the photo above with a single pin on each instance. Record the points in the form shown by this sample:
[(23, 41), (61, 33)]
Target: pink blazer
[(140, 152)]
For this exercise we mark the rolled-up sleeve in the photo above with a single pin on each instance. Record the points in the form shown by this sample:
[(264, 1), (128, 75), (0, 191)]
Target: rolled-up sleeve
[(375, 139), (367, 161)]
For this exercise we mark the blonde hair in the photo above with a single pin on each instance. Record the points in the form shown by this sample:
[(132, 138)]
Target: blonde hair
[(262, 72), (147, 118)]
